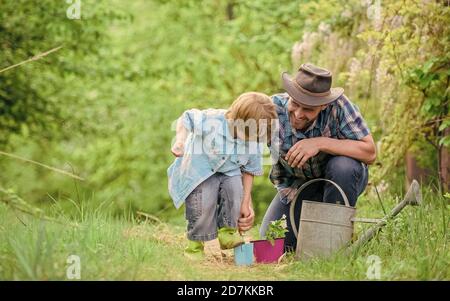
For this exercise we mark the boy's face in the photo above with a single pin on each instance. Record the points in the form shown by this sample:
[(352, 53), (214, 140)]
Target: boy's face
[(302, 116)]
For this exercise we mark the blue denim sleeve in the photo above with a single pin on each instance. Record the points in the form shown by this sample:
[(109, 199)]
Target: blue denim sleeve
[(254, 165), (193, 120)]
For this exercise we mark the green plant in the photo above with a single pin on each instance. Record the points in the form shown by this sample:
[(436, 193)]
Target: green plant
[(276, 229)]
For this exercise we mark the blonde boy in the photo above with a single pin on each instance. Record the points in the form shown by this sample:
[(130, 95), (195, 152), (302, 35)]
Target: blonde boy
[(218, 154)]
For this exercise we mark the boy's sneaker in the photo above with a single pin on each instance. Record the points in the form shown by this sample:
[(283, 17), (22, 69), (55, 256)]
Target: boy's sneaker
[(194, 250), (229, 238)]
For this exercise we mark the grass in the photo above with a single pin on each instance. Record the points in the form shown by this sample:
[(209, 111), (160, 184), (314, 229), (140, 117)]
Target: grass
[(413, 246)]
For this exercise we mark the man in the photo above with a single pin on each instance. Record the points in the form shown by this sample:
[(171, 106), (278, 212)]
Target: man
[(321, 135)]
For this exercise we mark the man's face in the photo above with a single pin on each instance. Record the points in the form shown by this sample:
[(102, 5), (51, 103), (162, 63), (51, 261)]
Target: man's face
[(301, 116)]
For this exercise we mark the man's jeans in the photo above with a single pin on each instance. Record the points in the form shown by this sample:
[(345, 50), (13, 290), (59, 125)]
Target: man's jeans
[(213, 204), (351, 175)]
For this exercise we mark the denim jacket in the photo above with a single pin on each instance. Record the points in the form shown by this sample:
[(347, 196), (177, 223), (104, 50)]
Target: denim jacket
[(209, 149)]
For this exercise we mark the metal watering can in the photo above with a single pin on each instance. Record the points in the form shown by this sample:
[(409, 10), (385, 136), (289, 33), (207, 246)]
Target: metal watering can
[(325, 228)]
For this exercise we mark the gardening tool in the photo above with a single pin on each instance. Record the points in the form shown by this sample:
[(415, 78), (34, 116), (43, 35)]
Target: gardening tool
[(243, 254), (327, 227)]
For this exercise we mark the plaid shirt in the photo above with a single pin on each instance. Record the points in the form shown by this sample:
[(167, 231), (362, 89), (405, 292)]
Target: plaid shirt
[(340, 120)]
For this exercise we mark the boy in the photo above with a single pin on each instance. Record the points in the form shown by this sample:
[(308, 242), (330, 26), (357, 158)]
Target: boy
[(218, 153)]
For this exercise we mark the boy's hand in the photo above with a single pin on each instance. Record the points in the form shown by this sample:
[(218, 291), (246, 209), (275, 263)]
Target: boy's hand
[(246, 219), (178, 149)]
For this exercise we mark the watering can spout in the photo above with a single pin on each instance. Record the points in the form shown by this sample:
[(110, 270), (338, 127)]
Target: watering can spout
[(413, 197)]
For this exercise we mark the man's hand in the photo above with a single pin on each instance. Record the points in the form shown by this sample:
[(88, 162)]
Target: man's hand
[(302, 151), (246, 217), (178, 149)]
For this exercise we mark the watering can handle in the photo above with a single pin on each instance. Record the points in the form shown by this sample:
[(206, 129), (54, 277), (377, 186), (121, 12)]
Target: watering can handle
[(292, 207)]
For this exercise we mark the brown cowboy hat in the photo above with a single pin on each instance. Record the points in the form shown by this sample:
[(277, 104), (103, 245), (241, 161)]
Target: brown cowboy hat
[(311, 86)]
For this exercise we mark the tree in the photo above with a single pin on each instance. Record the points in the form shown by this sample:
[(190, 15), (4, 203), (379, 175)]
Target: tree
[(31, 99)]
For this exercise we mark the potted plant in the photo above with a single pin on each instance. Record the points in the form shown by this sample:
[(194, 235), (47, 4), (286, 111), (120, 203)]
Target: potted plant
[(271, 248)]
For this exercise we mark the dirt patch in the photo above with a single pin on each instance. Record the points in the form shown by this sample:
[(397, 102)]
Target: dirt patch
[(160, 233)]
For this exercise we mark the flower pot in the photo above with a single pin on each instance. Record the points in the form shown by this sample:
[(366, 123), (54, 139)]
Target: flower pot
[(265, 252), (243, 254)]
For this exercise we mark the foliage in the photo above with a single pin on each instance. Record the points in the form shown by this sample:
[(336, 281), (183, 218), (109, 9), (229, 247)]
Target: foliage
[(37, 99), (276, 229), (413, 49)]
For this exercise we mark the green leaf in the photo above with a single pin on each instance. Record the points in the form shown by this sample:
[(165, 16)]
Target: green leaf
[(428, 65), (445, 124), (426, 80), (445, 141), (277, 229)]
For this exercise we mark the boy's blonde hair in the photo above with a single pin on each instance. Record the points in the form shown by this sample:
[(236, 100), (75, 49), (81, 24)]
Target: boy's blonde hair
[(252, 106)]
